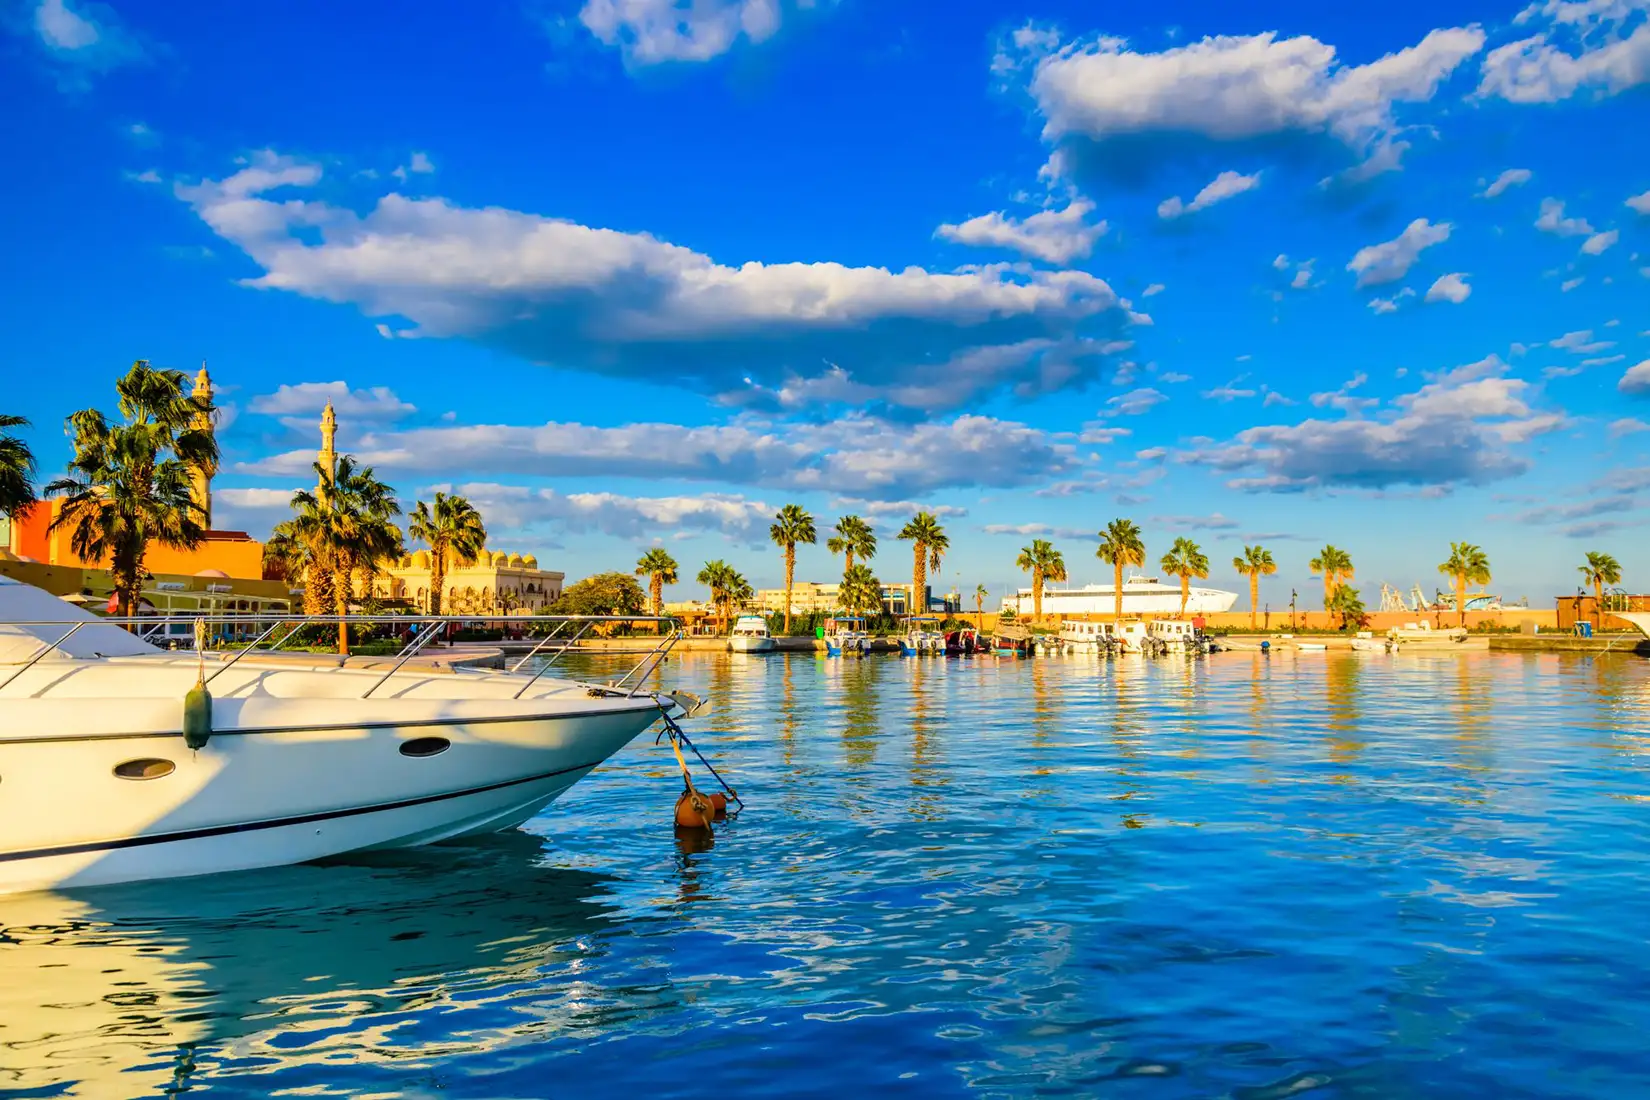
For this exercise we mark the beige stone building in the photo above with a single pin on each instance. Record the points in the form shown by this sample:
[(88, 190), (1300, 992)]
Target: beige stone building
[(497, 583)]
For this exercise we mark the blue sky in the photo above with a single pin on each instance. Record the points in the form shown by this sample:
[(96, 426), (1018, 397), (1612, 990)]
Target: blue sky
[(629, 270)]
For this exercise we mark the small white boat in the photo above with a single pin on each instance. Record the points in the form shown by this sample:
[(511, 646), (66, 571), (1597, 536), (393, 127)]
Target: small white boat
[(1131, 636), (1423, 635), (1366, 642), (1639, 619), (750, 635), (1085, 636), (1311, 647), (1171, 635), (306, 757)]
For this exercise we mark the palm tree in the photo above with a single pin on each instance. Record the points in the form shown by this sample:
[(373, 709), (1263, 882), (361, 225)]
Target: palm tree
[(1121, 545), (1467, 564), (344, 530), (1185, 560), (16, 469), (929, 543), (129, 483), (853, 539), (1255, 563), (1044, 563), (980, 594), (722, 580), (1336, 565), (861, 592), (660, 569), (791, 526), (1600, 570), (455, 534)]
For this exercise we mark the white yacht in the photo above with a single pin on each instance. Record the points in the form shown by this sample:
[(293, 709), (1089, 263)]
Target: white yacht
[(1079, 636), (1141, 596), (1171, 635), (304, 760), (750, 635)]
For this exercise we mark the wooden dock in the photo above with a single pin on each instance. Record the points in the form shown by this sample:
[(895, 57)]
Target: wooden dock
[(1633, 644)]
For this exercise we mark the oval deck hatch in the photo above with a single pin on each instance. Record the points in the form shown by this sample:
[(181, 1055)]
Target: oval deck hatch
[(148, 767), (425, 746)]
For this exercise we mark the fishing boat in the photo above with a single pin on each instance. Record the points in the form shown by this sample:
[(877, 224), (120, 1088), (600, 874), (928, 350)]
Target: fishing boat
[(964, 642), (1012, 640), (845, 636), (1084, 636), (1142, 595), (1131, 637), (921, 637), (110, 774), (750, 635), (1171, 636)]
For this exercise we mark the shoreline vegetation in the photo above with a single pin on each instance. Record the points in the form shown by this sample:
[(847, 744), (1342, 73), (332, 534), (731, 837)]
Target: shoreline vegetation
[(129, 485)]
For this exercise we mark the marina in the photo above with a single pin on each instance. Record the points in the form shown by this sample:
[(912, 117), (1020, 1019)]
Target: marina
[(1240, 875)]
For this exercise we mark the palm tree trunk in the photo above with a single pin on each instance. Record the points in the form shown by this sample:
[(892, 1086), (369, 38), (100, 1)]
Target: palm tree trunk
[(1598, 602), (848, 562), (1185, 593), (1461, 597), (340, 597), (919, 577), (1037, 595), (1117, 571), (790, 572), (438, 577), (1254, 598), (657, 584)]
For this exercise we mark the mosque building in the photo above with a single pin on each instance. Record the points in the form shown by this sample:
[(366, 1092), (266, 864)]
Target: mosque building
[(226, 571)]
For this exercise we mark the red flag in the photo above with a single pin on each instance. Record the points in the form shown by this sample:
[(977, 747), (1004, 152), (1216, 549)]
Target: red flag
[(114, 603)]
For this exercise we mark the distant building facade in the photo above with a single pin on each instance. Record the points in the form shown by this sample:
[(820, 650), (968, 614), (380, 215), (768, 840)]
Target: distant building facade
[(808, 597), (496, 584)]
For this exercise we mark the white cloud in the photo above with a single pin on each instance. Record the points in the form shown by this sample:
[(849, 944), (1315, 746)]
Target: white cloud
[(896, 508), (630, 305), (1598, 242), (1449, 288), (61, 28), (309, 398), (1154, 289), (1229, 392), (1629, 425), (1219, 189), (1215, 522), (1054, 236), (1281, 263), (82, 40), (1636, 380), (514, 508), (1581, 342), (852, 454), (1512, 177), (1303, 277), (1033, 530), (1232, 88), (1603, 361), (1391, 260), (1457, 428), (1135, 402), (1552, 220), (420, 164), (1570, 284), (1593, 52), (254, 510), (1640, 203), (653, 31)]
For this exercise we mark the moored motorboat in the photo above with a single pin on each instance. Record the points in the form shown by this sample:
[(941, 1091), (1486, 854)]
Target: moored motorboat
[(1423, 635), (750, 635), (302, 759)]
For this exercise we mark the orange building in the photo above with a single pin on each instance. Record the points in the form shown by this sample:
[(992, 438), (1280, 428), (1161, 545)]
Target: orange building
[(232, 555)]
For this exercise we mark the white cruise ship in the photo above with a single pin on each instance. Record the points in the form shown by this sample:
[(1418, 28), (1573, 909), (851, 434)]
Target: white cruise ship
[(1141, 596)]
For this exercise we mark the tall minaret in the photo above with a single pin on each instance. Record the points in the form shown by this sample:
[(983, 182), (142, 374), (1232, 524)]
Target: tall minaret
[(329, 453), (200, 476)]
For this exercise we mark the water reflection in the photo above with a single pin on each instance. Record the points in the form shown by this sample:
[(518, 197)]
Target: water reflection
[(117, 991)]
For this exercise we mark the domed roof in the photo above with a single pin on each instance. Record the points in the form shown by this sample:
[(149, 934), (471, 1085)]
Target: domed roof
[(528, 561), (216, 574), (516, 561), (500, 559), (421, 559)]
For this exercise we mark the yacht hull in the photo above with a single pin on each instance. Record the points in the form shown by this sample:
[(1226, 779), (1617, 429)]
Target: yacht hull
[(272, 797), (752, 644)]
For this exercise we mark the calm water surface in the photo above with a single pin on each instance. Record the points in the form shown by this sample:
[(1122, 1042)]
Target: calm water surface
[(1322, 874)]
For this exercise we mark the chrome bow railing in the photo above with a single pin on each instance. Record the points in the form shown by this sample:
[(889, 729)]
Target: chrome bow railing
[(239, 636)]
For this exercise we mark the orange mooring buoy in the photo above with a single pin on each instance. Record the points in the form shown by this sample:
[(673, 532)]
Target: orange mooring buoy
[(697, 811)]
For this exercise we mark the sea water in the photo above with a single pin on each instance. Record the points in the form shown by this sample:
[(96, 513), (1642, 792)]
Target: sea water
[(1248, 876)]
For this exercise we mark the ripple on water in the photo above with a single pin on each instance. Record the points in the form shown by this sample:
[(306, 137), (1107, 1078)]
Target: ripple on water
[(1245, 876)]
